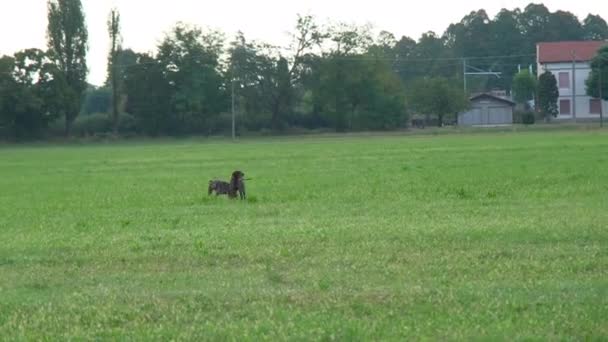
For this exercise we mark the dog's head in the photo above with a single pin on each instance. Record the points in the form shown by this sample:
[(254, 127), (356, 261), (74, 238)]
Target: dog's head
[(238, 175)]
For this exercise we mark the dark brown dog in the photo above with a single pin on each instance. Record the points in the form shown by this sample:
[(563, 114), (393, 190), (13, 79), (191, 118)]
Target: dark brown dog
[(220, 187), (237, 185)]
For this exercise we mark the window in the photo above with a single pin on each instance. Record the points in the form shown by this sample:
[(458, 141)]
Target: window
[(564, 107), (564, 80), (594, 106)]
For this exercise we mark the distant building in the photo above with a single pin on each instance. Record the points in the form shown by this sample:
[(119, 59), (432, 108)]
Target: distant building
[(488, 109), (570, 63)]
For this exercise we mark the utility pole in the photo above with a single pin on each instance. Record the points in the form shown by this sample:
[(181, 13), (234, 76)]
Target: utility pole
[(574, 85), (233, 112), (464, 74), (601, 100)]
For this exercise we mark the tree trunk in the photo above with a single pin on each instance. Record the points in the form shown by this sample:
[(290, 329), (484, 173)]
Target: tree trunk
[(115, 103), (68, 126), (352, 117), (276, 119)]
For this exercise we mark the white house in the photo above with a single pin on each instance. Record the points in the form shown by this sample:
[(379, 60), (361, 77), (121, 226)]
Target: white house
[(570, 63)]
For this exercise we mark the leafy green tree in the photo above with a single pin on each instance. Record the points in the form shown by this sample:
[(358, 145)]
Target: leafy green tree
[(548, 95), (384, 47), (190, 59), (534, 22), (113, 75), (147, 92), (564, 25), (27, 95), (97, 100), (437, 96), (404, 51), (288, 72), (471, 36), (359, 93), (243, 73), (524, 87), (428, 57), (599, 65), (507, 40), (595, 28), (125, 59), (67, 42), (7, 95)]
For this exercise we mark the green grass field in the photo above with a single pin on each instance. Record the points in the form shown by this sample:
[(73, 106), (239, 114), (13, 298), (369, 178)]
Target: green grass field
[(456, 237)]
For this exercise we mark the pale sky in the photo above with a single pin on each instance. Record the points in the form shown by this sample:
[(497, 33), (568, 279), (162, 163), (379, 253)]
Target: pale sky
[(144, 22)]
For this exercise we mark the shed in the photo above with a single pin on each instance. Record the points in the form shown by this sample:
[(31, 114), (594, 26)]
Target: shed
[(487, 110)]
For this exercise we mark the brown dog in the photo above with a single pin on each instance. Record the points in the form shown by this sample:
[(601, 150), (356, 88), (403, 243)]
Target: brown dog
[(220, 187), (237, 185)]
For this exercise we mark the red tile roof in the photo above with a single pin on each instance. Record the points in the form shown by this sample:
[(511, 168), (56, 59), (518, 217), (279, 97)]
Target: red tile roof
[(562, 51)]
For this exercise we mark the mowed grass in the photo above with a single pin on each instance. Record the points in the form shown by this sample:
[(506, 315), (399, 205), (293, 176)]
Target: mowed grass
[(487, 236)]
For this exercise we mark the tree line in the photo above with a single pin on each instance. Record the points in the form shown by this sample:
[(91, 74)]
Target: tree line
[(340, 77)]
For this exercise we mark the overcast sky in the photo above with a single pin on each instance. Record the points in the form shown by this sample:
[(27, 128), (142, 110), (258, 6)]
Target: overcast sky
[(144, 22)]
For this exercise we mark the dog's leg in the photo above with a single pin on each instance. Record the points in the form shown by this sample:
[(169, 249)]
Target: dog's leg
[(242, 191)]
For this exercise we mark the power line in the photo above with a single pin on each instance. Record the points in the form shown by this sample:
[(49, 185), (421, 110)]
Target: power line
[(364, 58)]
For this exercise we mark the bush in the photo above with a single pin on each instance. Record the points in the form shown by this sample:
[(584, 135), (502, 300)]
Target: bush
[(220, 124), (525, 117), (528, 118), (94, 124)]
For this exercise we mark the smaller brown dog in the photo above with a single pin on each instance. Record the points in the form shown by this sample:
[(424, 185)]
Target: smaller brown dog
[(237, 185), (220, 187)]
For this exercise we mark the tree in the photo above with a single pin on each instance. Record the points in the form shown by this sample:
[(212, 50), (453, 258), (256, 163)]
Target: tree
[(599, 66), (97, 100), (437, 96), (404, 51), (534, 23), (384, 47), (595, 28), (7, 95), (113, 76), (243, 73), (146, 88), (507, 39), (190, 59), (548, 95), (359, 92), (27, 95), (524, 87), (427, 56), (565, 26), (471, 36), (67, 37), (288, 71)]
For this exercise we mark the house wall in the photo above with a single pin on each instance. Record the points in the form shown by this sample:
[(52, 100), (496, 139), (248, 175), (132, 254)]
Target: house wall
[(581, 100), (487, 112)]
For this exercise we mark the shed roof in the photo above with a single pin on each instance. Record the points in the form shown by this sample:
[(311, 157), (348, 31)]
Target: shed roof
[(557, 52), (486, 96)]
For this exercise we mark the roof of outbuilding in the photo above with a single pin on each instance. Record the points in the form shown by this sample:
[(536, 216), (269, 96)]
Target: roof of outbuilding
[(491, 97)]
